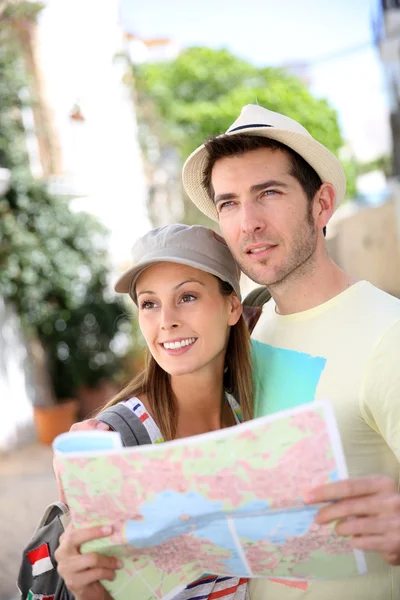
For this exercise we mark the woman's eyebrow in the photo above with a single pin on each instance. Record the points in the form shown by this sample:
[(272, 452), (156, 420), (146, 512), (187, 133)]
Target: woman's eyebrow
[(175, 288)]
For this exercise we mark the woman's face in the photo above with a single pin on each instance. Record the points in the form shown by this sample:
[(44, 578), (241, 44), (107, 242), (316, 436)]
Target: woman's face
[(184, 318)]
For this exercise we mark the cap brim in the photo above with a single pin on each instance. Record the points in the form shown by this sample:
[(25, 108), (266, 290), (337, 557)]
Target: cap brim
[(123, 284), (315, 154)]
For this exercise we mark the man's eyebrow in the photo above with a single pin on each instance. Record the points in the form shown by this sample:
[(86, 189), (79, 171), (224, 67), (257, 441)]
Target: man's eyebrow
[(266, 184), (254, 188), (175, 288), (229, 196)]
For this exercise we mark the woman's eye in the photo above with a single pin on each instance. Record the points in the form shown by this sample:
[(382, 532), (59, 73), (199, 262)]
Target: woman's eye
[(188, 298), (146, 304)]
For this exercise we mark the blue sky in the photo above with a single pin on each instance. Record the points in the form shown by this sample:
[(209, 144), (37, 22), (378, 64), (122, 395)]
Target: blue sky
[(271, 32)]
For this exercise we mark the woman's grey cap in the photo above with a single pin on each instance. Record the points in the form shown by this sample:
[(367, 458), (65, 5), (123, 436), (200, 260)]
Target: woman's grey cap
[(192, 245)]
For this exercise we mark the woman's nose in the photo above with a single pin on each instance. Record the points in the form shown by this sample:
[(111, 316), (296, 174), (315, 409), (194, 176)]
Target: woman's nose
[(169, 319)]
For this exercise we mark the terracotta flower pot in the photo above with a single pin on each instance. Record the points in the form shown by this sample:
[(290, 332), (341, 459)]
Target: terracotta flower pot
[(50, 421)]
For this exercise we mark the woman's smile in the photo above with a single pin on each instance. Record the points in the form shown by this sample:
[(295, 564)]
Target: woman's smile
[(178, 346)]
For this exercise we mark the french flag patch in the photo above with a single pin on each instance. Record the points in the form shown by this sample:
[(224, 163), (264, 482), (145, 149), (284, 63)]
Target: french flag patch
[(40, 560)]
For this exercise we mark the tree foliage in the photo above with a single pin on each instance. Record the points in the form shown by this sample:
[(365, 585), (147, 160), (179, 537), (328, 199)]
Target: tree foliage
[(201, 93), (53, 262)]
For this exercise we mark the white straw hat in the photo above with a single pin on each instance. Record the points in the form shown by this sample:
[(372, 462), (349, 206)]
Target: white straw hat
[(256, 120)]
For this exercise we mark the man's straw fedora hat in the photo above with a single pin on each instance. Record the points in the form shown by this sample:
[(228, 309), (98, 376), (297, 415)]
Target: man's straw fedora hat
[(256, 120)]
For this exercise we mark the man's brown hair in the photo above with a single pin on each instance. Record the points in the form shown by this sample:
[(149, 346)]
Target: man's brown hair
[(235, 145)]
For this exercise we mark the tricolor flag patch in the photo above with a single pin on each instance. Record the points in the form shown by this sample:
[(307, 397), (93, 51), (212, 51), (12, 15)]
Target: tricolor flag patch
[(40, 560), (32, 596)]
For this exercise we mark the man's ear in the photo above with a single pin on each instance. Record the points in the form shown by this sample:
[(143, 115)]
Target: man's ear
[(236, 310), (324, 205)]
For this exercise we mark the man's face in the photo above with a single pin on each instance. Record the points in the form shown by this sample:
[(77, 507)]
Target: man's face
[(264, 215)]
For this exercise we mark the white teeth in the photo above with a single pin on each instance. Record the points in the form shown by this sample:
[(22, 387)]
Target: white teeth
[(181, 344), (256, 250)]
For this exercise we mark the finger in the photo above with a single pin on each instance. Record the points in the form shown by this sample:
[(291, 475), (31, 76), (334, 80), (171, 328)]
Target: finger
[(355, 507), (385, 505), (72, 539), (90, 561), (76, 582), (365, 526), (61, 494), (392, 558), (377, 543), (89, 425), (348, 488)]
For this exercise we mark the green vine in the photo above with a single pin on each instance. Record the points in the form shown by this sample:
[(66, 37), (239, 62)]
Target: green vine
[(53, 262)]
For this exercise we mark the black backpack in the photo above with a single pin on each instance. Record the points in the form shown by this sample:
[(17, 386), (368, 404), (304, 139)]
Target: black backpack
[(253, 305)]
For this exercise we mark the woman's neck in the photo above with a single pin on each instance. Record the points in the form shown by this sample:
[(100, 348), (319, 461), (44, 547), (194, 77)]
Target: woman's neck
[(200, 402)]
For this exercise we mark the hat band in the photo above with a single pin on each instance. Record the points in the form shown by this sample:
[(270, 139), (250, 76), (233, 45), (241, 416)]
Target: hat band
[(248, 127)]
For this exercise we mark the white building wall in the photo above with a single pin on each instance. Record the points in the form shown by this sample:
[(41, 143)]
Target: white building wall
[(78, 41), (17, 393)]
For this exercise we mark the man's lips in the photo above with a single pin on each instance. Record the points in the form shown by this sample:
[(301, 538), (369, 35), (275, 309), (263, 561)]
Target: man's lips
[(259, 250)]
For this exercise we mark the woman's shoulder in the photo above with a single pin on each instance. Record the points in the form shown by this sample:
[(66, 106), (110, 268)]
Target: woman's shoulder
[(139, 406)]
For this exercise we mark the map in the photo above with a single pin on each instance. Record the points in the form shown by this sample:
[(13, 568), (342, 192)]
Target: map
[(227, 502)]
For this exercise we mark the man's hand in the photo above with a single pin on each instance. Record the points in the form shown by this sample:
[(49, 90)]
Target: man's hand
[(367, 509), (88, 425)]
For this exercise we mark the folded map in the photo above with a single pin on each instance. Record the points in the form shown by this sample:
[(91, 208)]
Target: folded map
[(227, 502)]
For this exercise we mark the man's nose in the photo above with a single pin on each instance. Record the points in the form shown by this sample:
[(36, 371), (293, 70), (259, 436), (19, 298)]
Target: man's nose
[(252, 220)]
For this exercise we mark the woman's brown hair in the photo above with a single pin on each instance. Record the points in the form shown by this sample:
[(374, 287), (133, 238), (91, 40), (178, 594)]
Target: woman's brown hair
[(154, 382)]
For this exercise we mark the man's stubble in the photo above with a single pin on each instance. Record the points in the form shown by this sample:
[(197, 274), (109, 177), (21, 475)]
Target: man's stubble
[(298, 261)]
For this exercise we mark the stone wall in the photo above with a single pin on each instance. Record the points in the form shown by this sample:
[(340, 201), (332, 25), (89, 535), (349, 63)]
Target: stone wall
[(366, 244)]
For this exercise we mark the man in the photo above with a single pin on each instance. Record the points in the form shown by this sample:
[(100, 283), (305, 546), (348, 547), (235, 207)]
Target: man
[(273, 188)]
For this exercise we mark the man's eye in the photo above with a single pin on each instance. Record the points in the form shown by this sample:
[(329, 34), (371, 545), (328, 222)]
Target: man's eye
[(270, 192), (223, 205)]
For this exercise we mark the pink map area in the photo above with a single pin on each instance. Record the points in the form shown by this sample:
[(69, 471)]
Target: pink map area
[(168, 556), (280, 485), (294, 551), (283, 484)]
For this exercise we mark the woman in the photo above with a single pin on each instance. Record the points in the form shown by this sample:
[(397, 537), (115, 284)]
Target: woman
[(198, 377)]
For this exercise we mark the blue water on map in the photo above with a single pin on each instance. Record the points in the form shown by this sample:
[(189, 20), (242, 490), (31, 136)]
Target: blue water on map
[(163, 517), (218, 533), (206, 520), (334, 475), (276, 526)]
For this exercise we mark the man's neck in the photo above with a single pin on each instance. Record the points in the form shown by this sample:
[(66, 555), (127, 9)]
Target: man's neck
[(303, 291)]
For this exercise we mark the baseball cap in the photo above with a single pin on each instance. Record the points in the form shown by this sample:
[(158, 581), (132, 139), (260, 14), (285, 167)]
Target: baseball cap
[(193, 245)]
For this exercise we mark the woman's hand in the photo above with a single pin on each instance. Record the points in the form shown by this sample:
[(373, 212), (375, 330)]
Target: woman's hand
[(88, 425), (82, 572)]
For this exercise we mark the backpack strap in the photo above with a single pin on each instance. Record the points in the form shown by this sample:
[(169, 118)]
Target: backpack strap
[(56, 509), (122, 419), (40, 578), (253, 305)]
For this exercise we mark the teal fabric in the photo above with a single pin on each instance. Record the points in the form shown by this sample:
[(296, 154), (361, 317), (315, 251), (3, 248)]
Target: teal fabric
[(283, 378)]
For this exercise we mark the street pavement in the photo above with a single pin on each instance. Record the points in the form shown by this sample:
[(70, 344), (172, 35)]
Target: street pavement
[(27, 486)]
